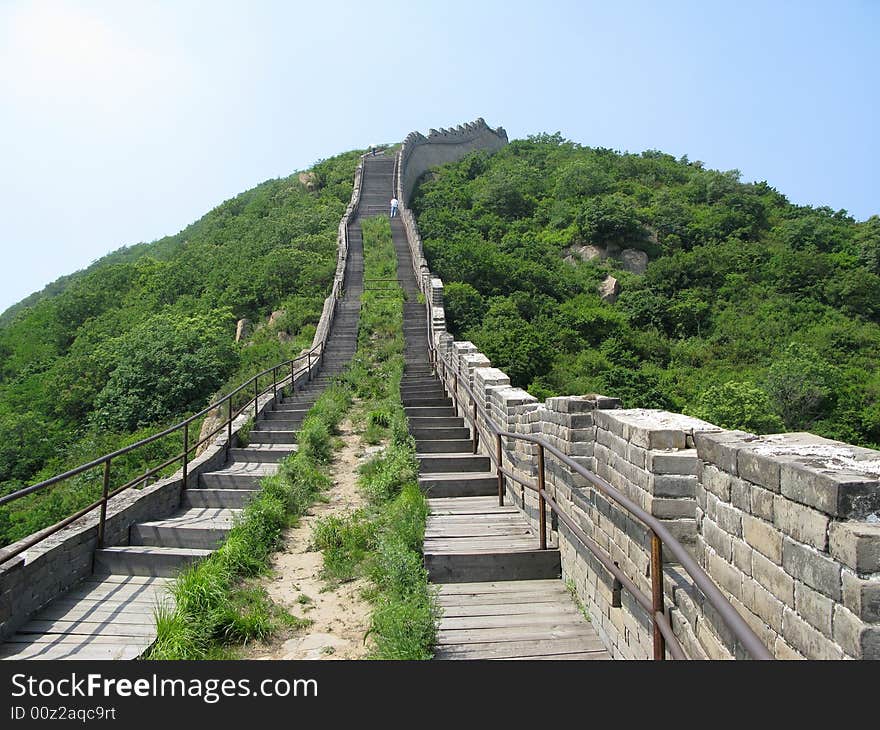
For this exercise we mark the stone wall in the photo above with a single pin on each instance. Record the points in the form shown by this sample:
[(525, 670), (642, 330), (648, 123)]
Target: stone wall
[(42, 573), (420, 153), (790, 535)]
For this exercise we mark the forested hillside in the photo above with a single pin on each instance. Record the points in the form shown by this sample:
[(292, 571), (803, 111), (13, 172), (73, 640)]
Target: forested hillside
[(146, 335), (752, 313)]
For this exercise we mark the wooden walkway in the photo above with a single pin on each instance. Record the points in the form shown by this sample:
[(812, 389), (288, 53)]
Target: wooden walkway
[(101, 618), (519, 619), (501, 595)]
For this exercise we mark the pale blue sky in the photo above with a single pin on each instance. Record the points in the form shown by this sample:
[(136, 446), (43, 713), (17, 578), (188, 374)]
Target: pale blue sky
[(122, 122)]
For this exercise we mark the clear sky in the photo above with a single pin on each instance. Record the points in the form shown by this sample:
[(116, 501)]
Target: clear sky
[(122, 122)]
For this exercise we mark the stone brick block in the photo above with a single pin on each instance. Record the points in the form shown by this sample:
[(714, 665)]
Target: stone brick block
[(758, 468), (807, 640), (729, 518), (721, 448), (761, 502), (761, 602), (740, 494), (813, 607), (670, 485), (861, 596), (773, 578), (717, 539), (763, 537), (742, 556), (857, 639), (673, 462), (839, 493), (856, 545), (811, 567), (801, 523), (716, 481)]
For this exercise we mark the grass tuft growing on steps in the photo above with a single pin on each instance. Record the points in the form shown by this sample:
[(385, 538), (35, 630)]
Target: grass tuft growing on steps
[(215, 607), (383, 541)]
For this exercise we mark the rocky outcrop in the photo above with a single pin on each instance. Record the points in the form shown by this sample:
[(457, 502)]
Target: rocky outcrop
[(242, 329), (629, 259), (609, 289), (213, 419), (275, 316), (309, 181)]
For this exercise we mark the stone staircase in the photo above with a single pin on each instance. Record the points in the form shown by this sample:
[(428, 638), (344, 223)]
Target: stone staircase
[(111, 614), (500, 594)]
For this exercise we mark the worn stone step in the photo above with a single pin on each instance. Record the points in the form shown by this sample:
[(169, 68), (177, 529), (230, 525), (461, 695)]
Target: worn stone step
[(472, 567), (431, 434), (427, 402), (218, 498), (146, 560), (443, 422), (288, 424), (286, 413), (444, 446), (261, 453), (259, 436), (190, 528), (238, 475), (440, 463), (459, 484)]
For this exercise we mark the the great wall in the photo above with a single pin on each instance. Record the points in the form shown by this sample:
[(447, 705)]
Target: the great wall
[(769, 546)]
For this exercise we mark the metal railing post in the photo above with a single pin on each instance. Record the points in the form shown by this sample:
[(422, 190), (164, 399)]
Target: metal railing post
[(542, 517), (476, 434), (657, 595), (310, 365), (275, 383), (104, 493), (228, 426), (185, 452), (455, 392), (499, 455), (256, 397)]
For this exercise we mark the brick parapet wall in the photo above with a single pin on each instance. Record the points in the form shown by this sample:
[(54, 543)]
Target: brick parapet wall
[(792, 540)]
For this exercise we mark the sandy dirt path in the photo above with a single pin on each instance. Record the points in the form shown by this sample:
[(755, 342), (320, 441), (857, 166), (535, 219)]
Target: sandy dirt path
[(341, 616)]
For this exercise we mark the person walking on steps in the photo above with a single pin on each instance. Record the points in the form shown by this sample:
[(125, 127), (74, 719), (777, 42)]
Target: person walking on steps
[(394, 204)]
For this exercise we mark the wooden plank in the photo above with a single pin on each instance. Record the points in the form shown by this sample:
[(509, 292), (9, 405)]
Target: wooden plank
[(526, 597), (587, 655), (80, 611), (500, 586), (125, 579), (510, 609), (584, 647), (558, 618), (62, 638), (517, 633), (74, 651), (90, 628), (449, 568)]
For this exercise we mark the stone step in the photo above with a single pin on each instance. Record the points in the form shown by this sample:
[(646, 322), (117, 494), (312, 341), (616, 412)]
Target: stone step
[(288, 412), (429, 411), (146, 560), (238, 476), (459, 484), (416, 422), (218, 498), (431, 434), (492, 565), (201, 528), (444, 463), (427, 401), (288, 424), (444, 446), (260, 436), (260, 453)]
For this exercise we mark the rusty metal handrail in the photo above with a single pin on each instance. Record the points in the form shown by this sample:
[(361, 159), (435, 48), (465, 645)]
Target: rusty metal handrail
[(313, 357), (663, 635)]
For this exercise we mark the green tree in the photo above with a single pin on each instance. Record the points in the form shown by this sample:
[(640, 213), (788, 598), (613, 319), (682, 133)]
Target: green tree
[(738, 405), (801, 386)]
